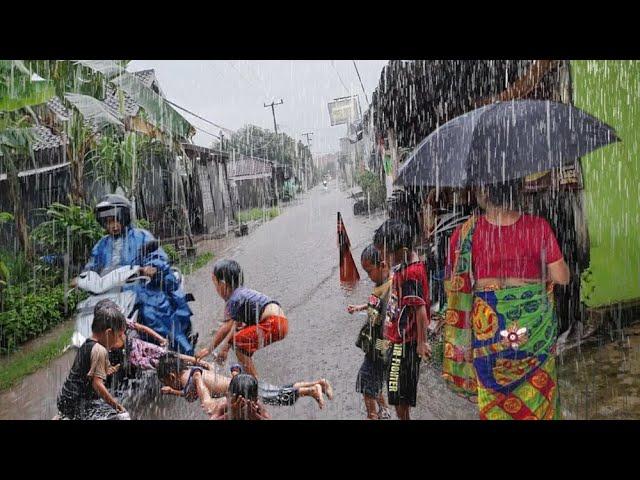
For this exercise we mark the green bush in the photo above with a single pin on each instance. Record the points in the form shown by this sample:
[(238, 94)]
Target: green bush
[(19, 270), (83, 227), (200, 261), (4, 269), (171, 251), (142, 223), (28, 313), (372, 185)]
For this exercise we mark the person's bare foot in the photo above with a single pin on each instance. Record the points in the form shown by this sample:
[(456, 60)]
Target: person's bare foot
[(316, 393), (326, 388)]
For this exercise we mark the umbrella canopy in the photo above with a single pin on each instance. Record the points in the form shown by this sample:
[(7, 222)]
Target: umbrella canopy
[(504, 141)]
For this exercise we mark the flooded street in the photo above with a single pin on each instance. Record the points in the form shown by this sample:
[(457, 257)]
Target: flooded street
[(294, 259)]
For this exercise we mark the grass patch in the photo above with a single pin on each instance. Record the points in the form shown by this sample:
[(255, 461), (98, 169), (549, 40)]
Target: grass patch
[(258, 214), (188, 267), (24, 364)]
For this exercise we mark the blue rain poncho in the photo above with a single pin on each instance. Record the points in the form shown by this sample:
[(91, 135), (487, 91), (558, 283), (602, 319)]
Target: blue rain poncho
[(162, 303)]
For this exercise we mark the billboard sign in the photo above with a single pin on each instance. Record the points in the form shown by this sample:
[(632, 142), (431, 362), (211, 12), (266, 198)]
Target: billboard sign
[(343, 110)]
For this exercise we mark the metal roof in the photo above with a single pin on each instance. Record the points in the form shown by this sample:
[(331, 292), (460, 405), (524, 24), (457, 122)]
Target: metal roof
[(245, 166)]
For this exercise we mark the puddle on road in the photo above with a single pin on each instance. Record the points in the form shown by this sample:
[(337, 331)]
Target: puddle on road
[(601, 380)]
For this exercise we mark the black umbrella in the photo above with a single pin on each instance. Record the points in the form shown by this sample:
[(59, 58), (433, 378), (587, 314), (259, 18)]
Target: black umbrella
[(504, 141)]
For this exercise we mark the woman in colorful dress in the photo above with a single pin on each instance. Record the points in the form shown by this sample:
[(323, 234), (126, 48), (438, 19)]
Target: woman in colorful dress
[(501, 328)]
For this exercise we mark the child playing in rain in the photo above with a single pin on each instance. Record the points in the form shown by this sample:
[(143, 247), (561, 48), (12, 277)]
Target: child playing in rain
[(240, 403), (407, 316), (371, 376), (84, 395), (252, 320), (192, 383), (139, 353)]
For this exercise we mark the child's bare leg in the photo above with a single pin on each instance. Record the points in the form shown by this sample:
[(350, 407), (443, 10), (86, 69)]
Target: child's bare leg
[(370, 404), (314, 391), (326, 386), (382, 403), (402, 411), (247, 363)]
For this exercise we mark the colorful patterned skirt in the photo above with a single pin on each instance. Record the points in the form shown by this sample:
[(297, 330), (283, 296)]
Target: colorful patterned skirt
[(513, 339)]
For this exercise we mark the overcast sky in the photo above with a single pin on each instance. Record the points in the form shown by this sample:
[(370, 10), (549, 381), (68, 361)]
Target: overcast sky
[(233, 93)]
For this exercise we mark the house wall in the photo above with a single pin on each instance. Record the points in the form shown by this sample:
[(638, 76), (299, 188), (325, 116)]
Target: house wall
[(609, 90), (254, 193)]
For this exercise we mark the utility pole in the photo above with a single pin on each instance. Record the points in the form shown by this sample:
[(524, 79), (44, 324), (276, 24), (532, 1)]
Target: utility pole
[(307, 135), (275, 129), (304, 165), (273, 111)]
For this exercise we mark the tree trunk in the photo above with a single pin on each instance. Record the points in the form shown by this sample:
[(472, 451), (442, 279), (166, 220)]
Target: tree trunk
[(20, 218), (76, 157), (75, 152)]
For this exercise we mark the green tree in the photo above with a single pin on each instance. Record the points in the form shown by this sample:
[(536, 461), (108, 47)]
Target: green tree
[(80, 85), (259, 142)]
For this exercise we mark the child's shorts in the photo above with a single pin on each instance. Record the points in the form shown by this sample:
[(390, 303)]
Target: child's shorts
[(371, 377), (269, 330), (403, 373)]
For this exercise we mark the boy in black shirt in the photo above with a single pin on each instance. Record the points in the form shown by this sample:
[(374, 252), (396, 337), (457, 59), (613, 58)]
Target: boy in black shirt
[(84, 395)]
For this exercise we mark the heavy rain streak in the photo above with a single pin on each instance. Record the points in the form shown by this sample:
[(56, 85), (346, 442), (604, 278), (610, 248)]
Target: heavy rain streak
[(228, 240)]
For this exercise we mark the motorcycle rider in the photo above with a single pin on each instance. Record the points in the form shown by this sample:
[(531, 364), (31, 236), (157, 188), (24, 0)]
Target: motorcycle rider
[(162, 303)]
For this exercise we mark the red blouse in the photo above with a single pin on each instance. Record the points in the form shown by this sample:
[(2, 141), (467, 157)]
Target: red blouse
[(514, 251)]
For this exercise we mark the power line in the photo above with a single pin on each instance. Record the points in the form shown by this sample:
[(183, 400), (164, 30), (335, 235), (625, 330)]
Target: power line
[(339, 77), (198, 116), (208, 133), (363, 90)]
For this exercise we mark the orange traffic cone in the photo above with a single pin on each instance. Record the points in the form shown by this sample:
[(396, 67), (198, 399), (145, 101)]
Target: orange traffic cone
[(348, 270)]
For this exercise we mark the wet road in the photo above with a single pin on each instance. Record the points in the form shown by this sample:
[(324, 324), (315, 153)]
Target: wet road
[(294, 259)]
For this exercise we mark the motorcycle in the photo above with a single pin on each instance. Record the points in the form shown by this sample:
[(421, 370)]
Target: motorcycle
[(112, 286)]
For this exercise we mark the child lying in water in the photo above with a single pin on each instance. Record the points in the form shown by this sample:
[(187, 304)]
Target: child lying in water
[(193, 382)]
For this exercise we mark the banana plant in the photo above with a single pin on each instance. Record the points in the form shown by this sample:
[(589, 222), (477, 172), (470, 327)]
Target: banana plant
[(80, 86), (17, 138), (17, 88), (4, 270)]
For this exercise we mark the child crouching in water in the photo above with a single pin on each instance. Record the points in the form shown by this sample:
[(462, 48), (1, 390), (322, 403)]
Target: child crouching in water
[(371, 376), (84, 395), (192, 382), (252, 320)]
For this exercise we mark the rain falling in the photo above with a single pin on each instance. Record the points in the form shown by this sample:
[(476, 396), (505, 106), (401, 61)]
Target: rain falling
[(423, 239)]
